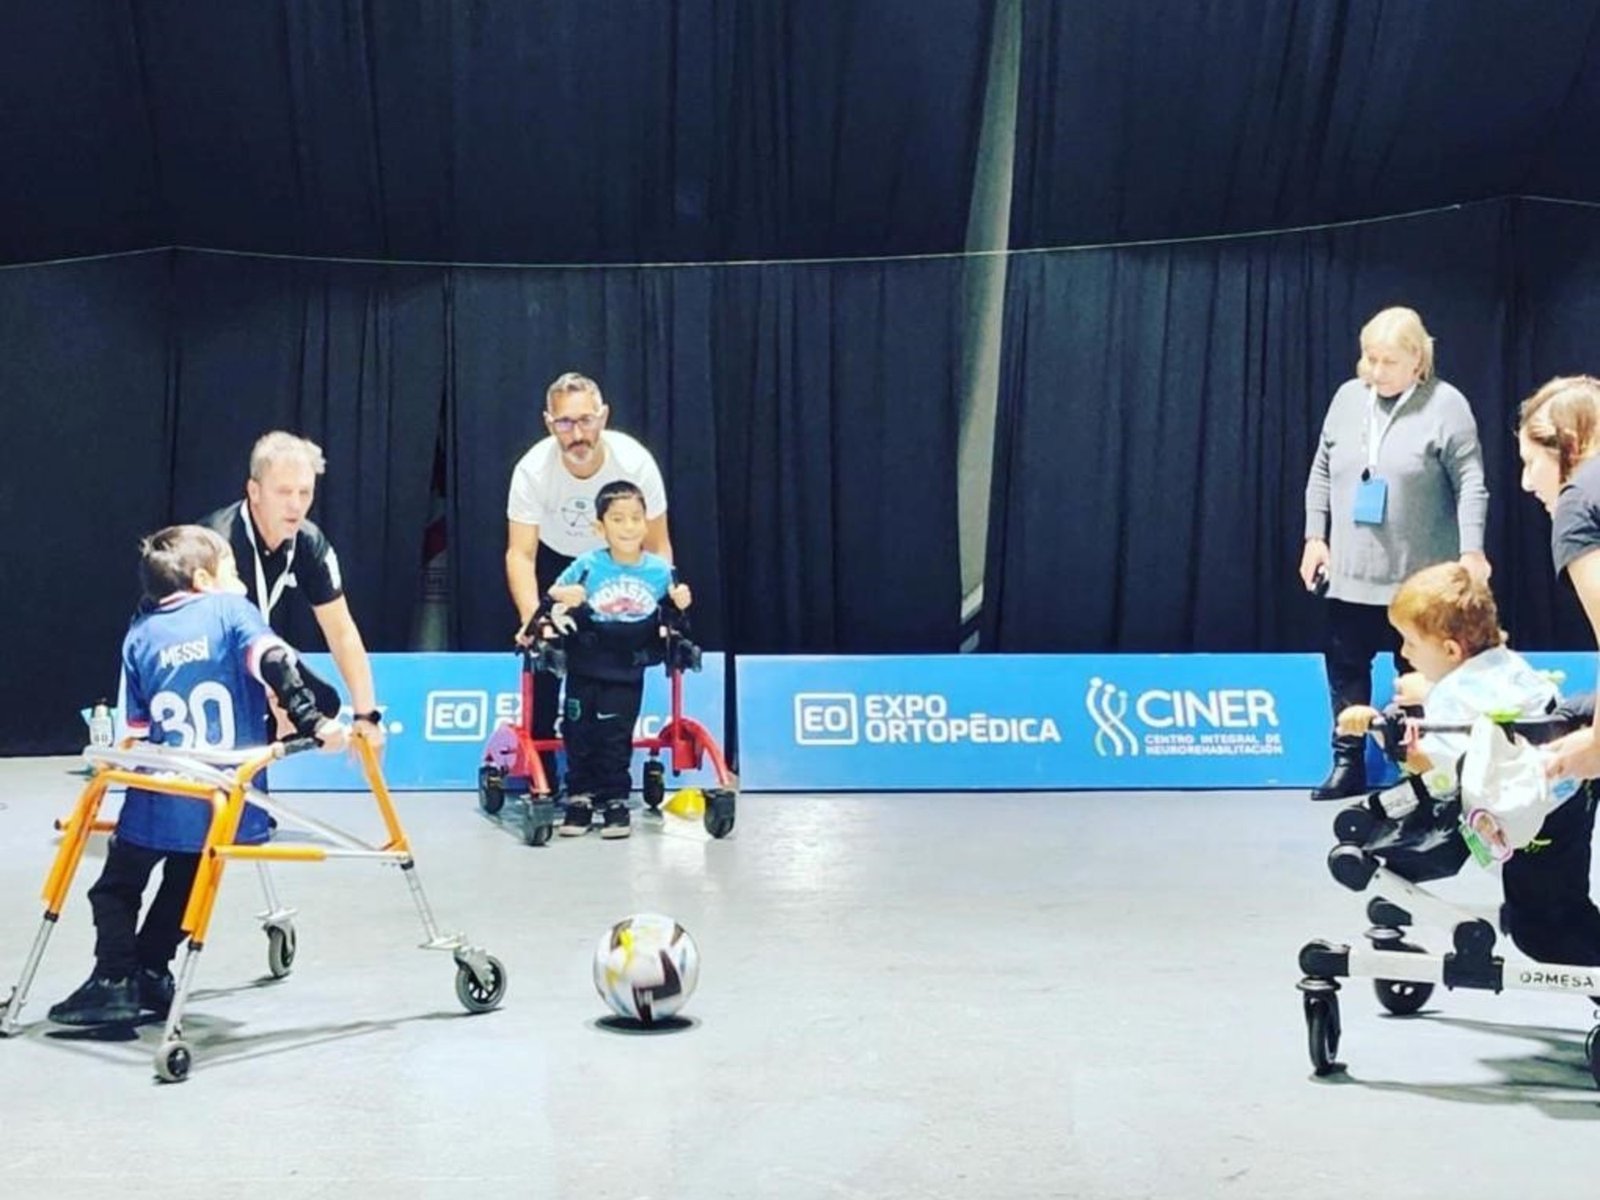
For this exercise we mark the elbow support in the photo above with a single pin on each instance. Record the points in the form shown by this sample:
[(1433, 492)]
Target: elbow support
[(280, 671)]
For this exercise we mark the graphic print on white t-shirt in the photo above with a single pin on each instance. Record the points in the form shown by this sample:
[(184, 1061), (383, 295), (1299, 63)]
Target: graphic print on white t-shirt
[(577, 515), (544, 493)]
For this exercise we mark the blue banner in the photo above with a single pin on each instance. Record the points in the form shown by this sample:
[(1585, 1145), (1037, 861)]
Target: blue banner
[(979, 722), (439, 709)]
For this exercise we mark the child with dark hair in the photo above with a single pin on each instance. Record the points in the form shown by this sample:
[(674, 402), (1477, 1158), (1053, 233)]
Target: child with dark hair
[(618, 589), (194, 663)]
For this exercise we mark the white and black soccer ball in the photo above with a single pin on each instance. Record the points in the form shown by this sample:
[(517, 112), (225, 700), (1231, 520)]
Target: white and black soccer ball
[(646, 966)]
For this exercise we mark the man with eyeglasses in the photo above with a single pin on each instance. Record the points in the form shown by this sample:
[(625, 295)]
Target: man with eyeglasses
[(550, 515)]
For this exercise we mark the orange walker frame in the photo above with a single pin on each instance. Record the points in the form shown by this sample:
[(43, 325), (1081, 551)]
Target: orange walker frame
[(222, 778)]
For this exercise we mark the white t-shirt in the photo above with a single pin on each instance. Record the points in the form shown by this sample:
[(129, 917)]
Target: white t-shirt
[(1497, 680), (546, 494)]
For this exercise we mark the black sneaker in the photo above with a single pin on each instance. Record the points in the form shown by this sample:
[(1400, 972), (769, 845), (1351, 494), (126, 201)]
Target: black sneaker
[(156, 989), (99, 1002), (619, 822), (579, 816)]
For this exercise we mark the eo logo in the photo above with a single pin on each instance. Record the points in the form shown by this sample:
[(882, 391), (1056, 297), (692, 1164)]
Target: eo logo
[(1107, 705), (826, 719), (457, 716)]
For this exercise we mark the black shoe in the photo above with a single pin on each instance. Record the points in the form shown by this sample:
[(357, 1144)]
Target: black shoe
[(579, 816), (1348, 777), (99, 1002), (619, 822), (156, 989)]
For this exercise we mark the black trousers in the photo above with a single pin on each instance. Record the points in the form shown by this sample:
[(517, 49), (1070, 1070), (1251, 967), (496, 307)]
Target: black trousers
[(597, 727), (1548, 912), (121, 945), (1356, 632), (547, 564)]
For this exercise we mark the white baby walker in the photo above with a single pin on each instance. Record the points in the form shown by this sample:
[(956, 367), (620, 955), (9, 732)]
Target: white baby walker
[(1399, 838)]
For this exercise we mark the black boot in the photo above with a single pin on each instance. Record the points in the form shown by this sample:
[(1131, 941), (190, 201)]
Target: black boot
[(1349, 775)]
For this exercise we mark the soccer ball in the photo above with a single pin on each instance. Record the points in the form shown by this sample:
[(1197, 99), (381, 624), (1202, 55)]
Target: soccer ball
[(646, 966)]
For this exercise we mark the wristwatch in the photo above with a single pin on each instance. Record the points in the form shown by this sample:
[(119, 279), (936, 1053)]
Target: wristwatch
[(373, 718)]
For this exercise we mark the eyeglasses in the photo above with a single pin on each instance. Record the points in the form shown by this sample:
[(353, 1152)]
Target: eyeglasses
[(567, 424)]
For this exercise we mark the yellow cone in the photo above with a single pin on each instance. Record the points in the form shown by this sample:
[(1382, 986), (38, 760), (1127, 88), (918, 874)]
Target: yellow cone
[(688, 803)]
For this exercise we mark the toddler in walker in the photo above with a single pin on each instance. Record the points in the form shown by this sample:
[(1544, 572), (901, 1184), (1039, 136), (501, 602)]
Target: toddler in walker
[(619, 589), (194, 661), (1450, 631)]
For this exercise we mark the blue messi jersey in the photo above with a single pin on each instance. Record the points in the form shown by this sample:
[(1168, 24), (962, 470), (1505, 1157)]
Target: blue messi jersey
[(187, 669), (620, 591)]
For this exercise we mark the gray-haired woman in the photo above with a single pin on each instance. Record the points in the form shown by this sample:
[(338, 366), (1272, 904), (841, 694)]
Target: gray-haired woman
[(1396, 485)]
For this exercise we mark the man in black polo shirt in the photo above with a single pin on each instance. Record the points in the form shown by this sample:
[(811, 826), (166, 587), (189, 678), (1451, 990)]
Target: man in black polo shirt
[(282, 555)]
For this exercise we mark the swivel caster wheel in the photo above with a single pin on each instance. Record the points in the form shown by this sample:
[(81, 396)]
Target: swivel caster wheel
[(173, 1061), (481, 995), (1402, 997), (721, 804), (539, 822), (654, 790), (491, 789), (281, 945), (1320, 1000)]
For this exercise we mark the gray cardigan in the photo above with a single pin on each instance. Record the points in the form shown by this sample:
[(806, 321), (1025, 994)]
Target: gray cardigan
[(1437, 501)]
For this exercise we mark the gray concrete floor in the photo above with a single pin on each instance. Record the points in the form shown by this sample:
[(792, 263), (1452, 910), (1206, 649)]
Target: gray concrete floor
[(1085, 995)]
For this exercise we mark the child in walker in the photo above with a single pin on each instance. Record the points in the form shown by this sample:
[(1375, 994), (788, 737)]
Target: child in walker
[(198, 661), (1450, 631), (618, 590)]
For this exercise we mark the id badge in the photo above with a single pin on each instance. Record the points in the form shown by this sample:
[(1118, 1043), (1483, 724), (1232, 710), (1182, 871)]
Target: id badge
[(1372, 494)]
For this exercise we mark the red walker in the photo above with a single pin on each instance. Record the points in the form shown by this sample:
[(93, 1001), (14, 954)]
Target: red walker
[(512, 766)]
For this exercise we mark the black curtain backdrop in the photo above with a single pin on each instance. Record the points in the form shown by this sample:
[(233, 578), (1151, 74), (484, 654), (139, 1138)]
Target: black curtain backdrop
[(1161, 404), (621, 131), (1162, 120), (87, 420), (77, 145), (804, 417), (1158, 405), (349, 356), (837, 419)]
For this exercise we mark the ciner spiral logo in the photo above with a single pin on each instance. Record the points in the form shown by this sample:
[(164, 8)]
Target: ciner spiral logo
[(1107, 703)]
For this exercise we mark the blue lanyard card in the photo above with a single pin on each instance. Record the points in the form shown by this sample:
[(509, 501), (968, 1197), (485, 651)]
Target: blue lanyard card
[(1372, 495)]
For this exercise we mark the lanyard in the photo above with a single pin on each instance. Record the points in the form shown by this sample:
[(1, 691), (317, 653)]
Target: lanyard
[(264, 600), (1375, 432)]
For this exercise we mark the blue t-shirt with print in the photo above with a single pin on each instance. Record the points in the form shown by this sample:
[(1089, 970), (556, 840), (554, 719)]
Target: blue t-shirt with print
[(620, 592), (187, 666)]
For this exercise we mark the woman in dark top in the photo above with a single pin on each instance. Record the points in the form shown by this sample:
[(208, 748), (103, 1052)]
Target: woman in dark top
[(1548, 909)]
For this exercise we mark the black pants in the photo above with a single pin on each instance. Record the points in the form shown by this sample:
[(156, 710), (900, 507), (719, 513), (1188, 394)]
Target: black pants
[(597, 727), (1356, 632), (1548, 912), (547, 564), (118, 949)]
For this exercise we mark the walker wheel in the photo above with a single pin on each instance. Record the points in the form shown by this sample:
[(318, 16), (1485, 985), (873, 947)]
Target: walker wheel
[(654, 790), (281, 944), (1322, 1031), (173, 1061), (1591, 1051), (720, 812), (536, 832), (1402, 997), (491, 789), (478, 996)]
